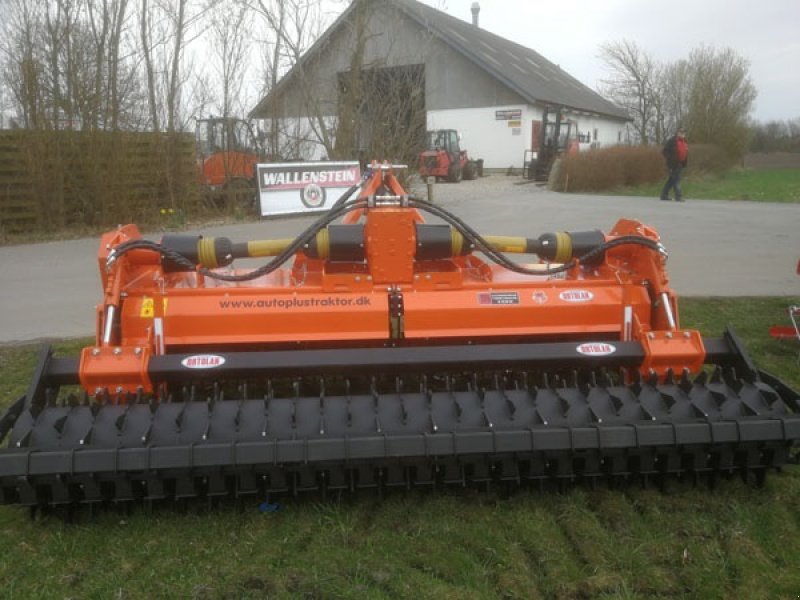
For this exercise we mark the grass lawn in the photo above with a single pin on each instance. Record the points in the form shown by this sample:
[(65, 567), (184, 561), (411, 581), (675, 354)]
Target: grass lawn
[(764, 185), (735, 541)]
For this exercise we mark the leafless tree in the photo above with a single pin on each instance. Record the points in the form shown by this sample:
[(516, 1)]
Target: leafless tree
[(633, 84), (230, 42)]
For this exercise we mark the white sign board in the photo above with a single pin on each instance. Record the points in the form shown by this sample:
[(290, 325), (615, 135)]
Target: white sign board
[(291, 188)]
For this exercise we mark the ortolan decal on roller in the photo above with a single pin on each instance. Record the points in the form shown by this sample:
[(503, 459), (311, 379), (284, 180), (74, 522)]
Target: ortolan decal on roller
[(576, 296), (203, 361), (596, 349)]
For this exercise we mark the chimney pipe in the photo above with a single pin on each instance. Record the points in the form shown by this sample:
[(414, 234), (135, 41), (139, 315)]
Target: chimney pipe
[(476, 9)]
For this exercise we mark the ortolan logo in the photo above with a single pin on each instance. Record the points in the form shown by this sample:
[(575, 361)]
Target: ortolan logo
[(203, 361), (596, 349), (576, 296)]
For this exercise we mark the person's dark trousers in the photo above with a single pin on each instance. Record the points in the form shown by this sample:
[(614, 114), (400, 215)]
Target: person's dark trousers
[(673, 182)]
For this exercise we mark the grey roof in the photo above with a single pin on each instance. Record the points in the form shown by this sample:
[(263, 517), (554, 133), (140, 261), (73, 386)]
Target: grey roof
[(523, 70)]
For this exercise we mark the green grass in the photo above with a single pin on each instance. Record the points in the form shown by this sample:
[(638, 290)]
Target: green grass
[(733, 542), (766, 185)]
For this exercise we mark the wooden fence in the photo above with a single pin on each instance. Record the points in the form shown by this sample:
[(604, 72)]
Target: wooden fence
[(51, 180)]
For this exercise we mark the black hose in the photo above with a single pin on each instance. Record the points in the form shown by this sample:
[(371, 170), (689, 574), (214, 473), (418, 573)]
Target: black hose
[(344, 206)]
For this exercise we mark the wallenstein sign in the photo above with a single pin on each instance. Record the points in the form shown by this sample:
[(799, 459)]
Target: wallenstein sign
[(288, 188)]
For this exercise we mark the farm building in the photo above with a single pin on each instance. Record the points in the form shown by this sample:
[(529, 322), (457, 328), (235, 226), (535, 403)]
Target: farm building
[(387, 70)]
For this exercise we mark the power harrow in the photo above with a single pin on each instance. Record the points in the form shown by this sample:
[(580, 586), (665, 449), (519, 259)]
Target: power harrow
[(379, 350)]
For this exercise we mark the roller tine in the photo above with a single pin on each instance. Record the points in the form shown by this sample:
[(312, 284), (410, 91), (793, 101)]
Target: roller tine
[(245, 391), (25, 439), (565, 405), (605, 380), (652, 378), (702, 378), (270, 390), (94, 408), (403, 410), (546, 380), (617, 402), (669, 400), (685, 382), (373, 389), (238, 418), (398, 383), (669, 377), (296, 388), (512, 408), (636, 382), (146, 434), (59, 424), (448, 384), (423, 384), (179, 416), (265, 426), (119, 422), (321, 387), (574, 378), (593, 378), (716, 375)]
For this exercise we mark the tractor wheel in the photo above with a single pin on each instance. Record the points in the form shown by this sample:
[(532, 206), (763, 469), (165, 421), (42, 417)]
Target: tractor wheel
[(470, 171), (454, 173)]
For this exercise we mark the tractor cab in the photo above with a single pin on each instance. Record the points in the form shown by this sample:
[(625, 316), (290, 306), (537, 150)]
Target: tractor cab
[(444, 158)]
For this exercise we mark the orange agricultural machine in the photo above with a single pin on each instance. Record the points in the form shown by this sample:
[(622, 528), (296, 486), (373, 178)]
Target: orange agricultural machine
[(227, 154), (377, 349), (443, 158)]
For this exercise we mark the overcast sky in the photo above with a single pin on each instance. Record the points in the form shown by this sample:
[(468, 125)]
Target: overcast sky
[(569, 33)]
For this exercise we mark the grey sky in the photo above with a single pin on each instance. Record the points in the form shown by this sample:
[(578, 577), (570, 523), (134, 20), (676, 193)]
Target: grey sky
[(569, 33)]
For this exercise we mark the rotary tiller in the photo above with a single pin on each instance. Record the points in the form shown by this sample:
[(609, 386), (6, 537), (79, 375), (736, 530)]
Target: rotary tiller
[(378, 350)]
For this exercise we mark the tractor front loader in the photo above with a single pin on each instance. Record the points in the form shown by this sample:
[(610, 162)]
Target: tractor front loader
[(379, 350)]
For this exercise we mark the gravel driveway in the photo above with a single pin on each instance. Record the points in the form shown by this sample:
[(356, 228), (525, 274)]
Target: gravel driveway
[(717, 248)]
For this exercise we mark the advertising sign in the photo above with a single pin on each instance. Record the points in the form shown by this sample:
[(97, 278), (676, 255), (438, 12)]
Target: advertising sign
[(508, 115), (290, 188)]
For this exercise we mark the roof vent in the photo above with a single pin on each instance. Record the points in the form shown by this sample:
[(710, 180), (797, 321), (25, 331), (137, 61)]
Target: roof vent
[(476, 9)]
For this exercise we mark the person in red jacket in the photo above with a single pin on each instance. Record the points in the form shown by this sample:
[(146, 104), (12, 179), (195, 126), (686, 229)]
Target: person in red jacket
[(676, 153)]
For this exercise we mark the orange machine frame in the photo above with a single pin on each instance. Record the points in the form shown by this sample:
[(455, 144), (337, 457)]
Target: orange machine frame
[(389, 298)]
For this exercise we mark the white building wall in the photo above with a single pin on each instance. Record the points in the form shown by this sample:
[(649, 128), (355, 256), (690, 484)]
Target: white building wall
[(604, 132), (501, 143)]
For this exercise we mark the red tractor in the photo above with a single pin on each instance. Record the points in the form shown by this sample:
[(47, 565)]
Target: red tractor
[(443, 158), (228, 152)]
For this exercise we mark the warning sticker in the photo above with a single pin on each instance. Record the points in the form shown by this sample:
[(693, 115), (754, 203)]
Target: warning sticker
[(146, 312), (498, 298)]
